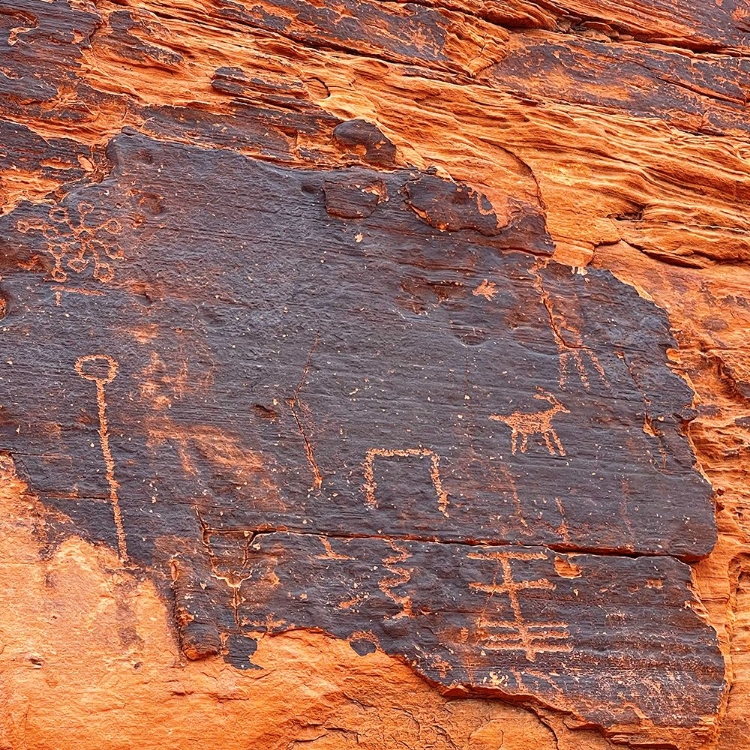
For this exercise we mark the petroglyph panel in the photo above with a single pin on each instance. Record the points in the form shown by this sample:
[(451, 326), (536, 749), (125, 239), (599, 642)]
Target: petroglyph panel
[(308, 341), (416, 376), (498, 618)]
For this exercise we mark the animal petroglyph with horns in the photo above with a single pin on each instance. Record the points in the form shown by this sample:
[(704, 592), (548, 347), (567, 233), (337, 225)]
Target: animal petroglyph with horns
[(527, 424)]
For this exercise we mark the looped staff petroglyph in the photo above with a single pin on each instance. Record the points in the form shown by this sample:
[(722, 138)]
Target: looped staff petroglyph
[(518, 634), (371, 485), (94, 363), (527, 424), (102, 369), (73, 244)]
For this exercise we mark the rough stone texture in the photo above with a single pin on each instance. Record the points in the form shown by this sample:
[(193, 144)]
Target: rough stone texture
[(374, 374)]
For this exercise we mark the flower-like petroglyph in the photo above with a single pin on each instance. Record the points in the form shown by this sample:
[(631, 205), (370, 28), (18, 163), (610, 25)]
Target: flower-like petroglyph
[(76, 244), (524, 425), (518, 633)]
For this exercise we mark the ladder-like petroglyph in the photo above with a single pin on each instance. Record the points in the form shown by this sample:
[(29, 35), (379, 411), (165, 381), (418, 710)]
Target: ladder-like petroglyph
[(517, 633)]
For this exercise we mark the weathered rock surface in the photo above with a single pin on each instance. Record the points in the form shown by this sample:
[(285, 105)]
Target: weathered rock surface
[(374, 374)]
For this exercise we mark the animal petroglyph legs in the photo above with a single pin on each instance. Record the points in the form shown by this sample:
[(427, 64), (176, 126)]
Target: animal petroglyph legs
[(371, 485), (518, 634), (101, 369), (574, 356), (524, 425), (568, 340)]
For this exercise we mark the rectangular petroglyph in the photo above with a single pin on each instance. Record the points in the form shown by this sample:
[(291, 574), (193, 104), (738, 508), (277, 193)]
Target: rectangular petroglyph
[(370, 485)]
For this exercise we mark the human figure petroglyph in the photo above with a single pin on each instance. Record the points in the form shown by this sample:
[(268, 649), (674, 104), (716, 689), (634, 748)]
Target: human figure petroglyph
[(102, 369), (74, 244), (524, 425), (223, 547), (568, 339), (518, 634), (371, 485)]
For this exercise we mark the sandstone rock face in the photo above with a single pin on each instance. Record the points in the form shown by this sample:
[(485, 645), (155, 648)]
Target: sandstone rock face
[(374, 374)]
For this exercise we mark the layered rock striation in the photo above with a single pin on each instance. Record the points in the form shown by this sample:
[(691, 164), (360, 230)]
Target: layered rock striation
[(374, 374)]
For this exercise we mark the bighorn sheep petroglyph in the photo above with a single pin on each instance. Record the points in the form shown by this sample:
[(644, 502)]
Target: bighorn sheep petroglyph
[(528, 424)]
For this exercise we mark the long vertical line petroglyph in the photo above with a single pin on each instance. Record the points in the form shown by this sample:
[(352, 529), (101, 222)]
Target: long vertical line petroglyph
[(97, 361), (295, 406)]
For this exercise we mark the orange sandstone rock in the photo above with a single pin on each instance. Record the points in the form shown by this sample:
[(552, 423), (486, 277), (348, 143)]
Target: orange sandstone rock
[(614, 134)]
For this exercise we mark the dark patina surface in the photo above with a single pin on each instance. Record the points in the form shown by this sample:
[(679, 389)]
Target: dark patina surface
[(360, 401)]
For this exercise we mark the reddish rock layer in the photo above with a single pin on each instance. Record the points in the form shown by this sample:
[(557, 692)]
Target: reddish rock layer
[(620, 126)]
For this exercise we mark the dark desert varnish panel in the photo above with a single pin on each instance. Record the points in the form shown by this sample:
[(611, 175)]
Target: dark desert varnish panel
[(361, 401)]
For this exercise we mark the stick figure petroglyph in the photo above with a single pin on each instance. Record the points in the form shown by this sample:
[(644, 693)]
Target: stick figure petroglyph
[(101, 369), (518, 634), (568, 339), (227, 563), (369, 470), (527, 424)]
